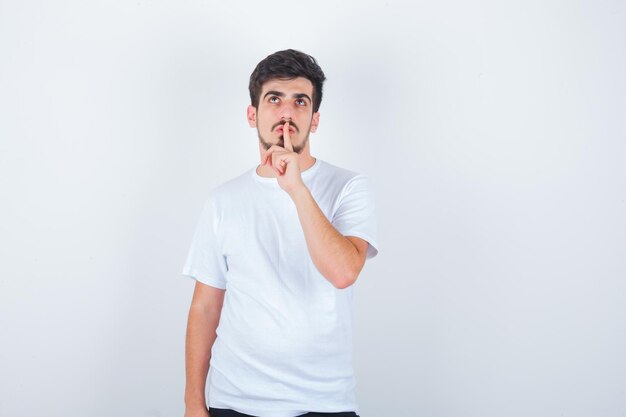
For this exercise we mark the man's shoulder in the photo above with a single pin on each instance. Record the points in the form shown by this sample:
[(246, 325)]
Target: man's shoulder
[(336, 176), (231, 187), (335, 172)]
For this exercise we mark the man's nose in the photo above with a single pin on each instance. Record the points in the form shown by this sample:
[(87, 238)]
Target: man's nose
[(286, 112)]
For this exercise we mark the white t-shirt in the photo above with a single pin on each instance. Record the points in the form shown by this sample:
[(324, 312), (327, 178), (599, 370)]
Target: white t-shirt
[(284, 341)]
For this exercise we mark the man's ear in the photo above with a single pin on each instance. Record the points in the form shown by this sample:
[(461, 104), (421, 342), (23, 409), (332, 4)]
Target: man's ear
[(315, 121), (251, 116)]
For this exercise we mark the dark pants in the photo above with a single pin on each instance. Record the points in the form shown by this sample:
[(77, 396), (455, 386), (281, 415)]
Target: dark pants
[(219, 412)]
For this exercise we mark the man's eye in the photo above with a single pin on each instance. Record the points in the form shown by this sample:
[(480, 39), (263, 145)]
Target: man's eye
[(301, 102), (273, 99)]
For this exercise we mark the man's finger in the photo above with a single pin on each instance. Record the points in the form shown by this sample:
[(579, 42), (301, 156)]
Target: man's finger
[(268, 153), (287, 137), (280, 162)]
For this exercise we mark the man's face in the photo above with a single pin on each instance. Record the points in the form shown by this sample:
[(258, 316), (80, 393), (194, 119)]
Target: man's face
[(285, 101)]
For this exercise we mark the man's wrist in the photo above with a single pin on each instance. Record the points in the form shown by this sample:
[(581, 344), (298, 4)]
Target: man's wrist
[(195, 406), (298, 193), (195, 402)]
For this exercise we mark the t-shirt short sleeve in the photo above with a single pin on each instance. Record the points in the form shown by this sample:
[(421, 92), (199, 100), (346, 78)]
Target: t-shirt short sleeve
[(355, 213), (205, 261)]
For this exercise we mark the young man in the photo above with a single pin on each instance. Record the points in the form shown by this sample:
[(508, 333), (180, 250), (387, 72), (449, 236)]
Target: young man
[(274, 256)]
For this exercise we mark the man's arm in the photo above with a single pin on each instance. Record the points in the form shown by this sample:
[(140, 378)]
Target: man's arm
[(339, 259), (204, 315)]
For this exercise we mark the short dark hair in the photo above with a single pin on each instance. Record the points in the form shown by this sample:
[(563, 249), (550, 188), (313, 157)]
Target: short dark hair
[(286, 65)]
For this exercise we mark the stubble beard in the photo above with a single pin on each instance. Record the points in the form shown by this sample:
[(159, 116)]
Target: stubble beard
[(281, 142)]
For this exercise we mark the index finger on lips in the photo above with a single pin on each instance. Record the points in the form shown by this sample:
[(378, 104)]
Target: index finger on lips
[(287, 137)]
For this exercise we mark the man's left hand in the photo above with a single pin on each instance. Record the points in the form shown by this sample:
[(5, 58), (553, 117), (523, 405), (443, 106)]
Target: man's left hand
[(284, 161)]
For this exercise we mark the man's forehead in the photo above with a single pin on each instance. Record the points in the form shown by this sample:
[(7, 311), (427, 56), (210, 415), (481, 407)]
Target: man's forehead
[(293, 85)]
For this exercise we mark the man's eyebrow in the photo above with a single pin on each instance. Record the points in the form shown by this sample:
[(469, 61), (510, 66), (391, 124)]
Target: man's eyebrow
[(302, 95), (274, 93), (280, 94)]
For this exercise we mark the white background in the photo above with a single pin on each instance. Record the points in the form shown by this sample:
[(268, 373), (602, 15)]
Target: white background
[(494, 133)]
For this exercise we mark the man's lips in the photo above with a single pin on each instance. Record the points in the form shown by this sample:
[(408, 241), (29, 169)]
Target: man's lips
[(278, 127)]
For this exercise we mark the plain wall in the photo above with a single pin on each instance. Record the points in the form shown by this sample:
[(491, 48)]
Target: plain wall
[(494, 133)]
